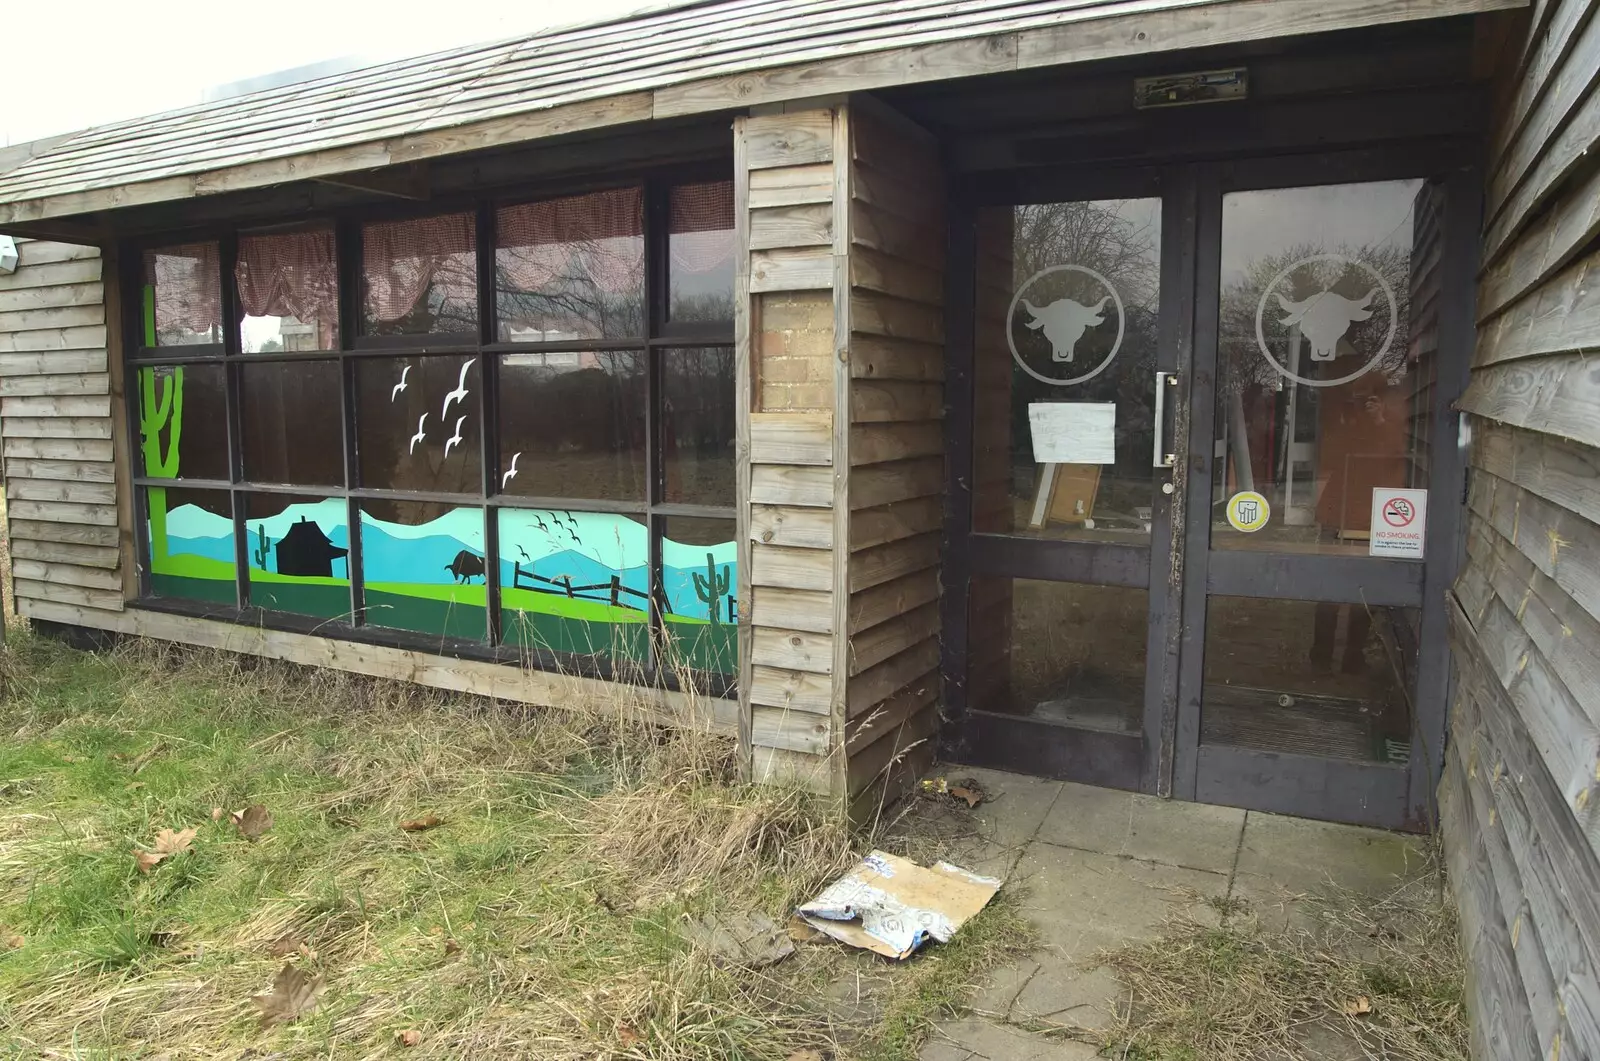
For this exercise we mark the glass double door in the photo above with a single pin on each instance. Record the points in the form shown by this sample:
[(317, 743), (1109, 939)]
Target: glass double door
[(1189, 532)]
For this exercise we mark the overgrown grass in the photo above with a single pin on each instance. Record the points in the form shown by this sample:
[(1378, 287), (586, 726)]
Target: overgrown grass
[(542, 919), (1352, 975)]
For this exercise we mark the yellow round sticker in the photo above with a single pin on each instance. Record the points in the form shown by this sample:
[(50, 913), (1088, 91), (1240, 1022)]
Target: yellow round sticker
[(1248, 511)]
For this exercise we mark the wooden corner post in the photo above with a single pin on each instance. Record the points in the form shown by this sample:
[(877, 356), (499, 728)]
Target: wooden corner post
[(841, 363)]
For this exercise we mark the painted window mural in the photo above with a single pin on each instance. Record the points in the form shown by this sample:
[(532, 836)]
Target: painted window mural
[(525, 469)]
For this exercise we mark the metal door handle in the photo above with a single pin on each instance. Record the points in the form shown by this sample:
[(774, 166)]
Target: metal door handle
[(1162, 457)]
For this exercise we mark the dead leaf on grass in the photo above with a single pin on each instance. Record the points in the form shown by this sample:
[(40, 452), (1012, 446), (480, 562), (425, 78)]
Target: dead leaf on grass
[(410, 1037), (285, 945), (970, 791), (252, 821), (168, 843), (1359, 1006), (293, 995), (422, 824)]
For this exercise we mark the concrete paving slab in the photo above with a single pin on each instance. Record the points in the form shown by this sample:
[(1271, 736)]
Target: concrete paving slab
[(1083, 900), (1175, 833), (995, 1042), (1016, 807), (1298, 855), (1071, 995), (1000, 990)]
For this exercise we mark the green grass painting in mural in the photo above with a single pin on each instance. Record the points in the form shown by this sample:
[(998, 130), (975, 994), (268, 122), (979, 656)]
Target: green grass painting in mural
[(185, 576), (529, 619), (449, 611), (182, 587)]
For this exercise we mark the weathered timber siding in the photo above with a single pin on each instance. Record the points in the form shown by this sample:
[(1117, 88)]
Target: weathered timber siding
[(895, 387), (844, 207), (1518, 803), (56, 430), (785, 191)]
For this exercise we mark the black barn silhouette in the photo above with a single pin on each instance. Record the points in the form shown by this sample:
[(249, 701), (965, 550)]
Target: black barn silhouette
[(305, 550)]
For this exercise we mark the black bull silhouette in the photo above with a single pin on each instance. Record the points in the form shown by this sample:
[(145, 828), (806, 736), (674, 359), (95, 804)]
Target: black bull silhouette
[(465, 566)]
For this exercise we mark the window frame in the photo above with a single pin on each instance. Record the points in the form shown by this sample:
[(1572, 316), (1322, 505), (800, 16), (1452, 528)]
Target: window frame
[(354, 347)]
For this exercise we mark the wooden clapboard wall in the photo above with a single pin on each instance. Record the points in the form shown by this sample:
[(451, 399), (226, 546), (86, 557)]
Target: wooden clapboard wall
[(785, 195), (1519, 812), (895, 394), (841, 300), (56, 428)]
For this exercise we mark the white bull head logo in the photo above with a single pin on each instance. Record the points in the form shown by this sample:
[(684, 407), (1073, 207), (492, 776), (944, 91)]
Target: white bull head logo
[(1064, 322), (1325, 317)]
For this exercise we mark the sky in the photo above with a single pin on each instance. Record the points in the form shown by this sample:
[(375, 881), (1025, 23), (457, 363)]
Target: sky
[(69, 66)]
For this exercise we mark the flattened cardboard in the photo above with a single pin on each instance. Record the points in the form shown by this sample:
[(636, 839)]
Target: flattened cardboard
[(892, 906)]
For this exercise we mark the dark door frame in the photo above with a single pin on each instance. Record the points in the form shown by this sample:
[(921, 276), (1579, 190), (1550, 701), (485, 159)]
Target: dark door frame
[(1181, 571)]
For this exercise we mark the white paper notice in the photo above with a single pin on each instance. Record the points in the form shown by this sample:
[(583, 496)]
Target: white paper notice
[(1074, 432), (1399, 523)]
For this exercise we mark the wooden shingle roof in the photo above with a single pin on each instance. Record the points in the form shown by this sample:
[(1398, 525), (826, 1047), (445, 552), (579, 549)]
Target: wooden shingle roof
[(702, 57)]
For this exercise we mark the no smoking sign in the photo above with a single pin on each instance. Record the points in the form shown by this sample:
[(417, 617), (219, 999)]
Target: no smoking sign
[(1399, 523)]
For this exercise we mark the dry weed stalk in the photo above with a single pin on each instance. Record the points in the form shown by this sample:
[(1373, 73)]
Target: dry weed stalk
[(1384, 976)]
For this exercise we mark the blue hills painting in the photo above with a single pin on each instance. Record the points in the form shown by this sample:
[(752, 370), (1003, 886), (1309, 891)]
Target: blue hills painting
[(572, 582)]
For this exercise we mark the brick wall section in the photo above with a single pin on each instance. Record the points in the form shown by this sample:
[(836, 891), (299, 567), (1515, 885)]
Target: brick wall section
[(795, 352)]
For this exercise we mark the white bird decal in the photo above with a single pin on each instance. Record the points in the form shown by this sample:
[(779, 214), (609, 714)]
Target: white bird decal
[(419, 436), (512, 474), (461, 389), (398, 387), (449, 443)]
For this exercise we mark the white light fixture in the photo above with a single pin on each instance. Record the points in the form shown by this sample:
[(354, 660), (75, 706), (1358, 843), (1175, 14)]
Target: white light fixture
[(8, 254)]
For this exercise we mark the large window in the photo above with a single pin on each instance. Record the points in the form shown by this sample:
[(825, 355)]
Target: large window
[(505, 429)]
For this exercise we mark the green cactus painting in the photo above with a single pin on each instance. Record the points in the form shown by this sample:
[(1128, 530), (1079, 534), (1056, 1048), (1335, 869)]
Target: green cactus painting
[(711, 587), (160, 463), (262, 548)]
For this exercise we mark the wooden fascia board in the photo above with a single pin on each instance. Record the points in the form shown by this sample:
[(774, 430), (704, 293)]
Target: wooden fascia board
[(1113, 36)]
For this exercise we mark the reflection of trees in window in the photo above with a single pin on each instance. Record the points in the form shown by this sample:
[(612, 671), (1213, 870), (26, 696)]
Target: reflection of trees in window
[(421, 275), (697, 418), (1242, 362), (1112, 238), (571, 268), (580, 426), (1096, 235)]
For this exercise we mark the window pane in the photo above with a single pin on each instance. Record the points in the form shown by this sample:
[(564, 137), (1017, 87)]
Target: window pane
[(183, 424), (417, 423), (299, 553), (422, 565), (1068, 301), (575, 582), (1332, 680), (1323, 378), (288, 292), (700, 254), (573, 425), (182, 295), (697, 425), (571, 268), (1058, 652), (421, 276), (290, 416), (191, 544), (700, 584)]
